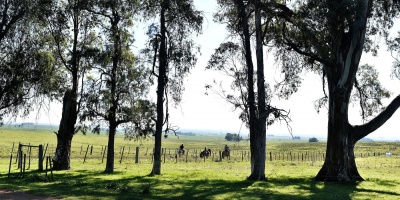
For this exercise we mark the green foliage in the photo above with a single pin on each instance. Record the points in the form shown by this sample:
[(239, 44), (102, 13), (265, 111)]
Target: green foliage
[(229, 59), (233, 137), (26, 66), (182, 21), (314, 30), (369, 92), (116, 89), (313, 139)]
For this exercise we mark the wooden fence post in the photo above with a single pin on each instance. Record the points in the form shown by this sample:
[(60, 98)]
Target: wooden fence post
[(270, 156), (40, 158), (87, 149), (47, 166), (122, 155), (137, 155), (9, 167), (44, 154), (51, 170), (24, 165), (18, 157), (29, 156), (104, 153)]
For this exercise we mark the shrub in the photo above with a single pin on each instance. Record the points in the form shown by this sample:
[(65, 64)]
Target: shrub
[(233, 137)]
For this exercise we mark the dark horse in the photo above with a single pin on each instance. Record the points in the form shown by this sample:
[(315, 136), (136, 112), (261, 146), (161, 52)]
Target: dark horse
[(181, 152), (226, 154), (205, 153)]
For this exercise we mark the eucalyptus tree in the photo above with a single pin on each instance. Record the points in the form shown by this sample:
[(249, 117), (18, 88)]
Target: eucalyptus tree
[(74, 43), (170, 44), (243, 20), (329, 37), (117, 85), (26, 65)]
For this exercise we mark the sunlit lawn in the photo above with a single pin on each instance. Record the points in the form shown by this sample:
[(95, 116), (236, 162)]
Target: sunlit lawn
[(196, 179)]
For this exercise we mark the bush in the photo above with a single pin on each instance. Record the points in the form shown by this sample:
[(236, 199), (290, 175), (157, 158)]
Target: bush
[(313, 139), (233, 137)]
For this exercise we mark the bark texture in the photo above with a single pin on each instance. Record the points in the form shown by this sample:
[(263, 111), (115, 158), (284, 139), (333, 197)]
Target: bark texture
[(110, 149), (160, 93), (258, 147), (70, 112), (61, 160), (257, 125), (340, 162), (340, 165)]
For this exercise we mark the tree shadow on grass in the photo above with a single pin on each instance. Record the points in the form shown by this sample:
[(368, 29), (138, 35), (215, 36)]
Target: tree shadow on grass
[(332, 190), (85, 184)]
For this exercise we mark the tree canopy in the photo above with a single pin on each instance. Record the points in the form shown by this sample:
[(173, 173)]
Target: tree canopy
[(26, 64)]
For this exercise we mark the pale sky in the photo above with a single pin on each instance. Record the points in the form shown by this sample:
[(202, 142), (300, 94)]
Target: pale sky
[(198, 111)]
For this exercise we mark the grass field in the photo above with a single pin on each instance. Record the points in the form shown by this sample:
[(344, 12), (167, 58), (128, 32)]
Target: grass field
[(289, 175)]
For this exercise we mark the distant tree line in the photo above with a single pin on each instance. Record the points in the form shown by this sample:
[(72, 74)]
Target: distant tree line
[(186, 133), (233, 137)]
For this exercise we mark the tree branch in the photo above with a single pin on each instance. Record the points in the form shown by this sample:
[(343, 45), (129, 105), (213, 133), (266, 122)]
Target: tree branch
[(155, 56), (363, 130), (12, 21), (357, 86), (299, 51)]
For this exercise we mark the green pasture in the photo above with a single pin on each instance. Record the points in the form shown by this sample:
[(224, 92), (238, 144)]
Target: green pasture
[(189, 177)]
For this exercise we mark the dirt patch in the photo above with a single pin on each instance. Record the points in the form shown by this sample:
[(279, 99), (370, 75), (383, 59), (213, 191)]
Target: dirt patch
[(4, 194)]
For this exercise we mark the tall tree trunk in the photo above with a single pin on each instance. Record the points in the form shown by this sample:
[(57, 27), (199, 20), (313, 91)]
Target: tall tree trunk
[(160, 93), (340, 162), (69, 113), (259, 142), (61, 160), (110, 147), (257, 126), (112, 112)]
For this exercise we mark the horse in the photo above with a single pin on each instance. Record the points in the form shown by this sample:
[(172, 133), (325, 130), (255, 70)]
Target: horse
[(181, 152), (226, 154), (205, 153)]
